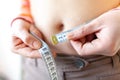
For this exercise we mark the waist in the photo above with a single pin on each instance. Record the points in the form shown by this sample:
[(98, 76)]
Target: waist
[(78, 63)]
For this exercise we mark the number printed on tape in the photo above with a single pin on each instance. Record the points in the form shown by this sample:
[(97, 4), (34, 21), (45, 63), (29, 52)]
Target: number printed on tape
[(48, 59), (61, 37)]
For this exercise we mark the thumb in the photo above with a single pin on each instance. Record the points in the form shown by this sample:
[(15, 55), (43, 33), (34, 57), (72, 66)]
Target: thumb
[(29, 39), (85, 30)]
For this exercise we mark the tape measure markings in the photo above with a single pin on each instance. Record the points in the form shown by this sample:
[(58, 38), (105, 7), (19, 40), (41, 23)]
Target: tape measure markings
[(61, 37), (48, 59)]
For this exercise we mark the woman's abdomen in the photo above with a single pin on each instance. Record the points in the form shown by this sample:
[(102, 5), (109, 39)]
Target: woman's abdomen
[(54, 16)]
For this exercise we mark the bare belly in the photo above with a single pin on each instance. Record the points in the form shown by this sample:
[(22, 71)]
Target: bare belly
[(54, 16)]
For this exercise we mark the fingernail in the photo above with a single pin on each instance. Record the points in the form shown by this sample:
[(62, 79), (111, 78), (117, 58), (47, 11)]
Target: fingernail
[(36, 44)]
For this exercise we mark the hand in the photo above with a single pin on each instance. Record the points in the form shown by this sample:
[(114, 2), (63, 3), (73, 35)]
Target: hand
[(99, 37), (23, 42)]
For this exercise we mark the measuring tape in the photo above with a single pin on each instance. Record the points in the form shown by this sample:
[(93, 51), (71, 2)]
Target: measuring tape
[(61, 37), (47, 55), (48, 59)]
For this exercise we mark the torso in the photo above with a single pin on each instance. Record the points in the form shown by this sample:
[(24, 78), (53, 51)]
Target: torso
[(54, 16)]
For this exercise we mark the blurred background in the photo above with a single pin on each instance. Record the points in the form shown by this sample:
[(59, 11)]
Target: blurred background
[(10, 63)]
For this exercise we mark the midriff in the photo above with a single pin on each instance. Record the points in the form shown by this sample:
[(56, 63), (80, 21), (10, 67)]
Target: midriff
[(54, 16)]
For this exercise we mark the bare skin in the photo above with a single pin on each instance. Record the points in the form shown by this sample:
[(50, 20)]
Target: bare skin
[(52, 17), (99, 37)]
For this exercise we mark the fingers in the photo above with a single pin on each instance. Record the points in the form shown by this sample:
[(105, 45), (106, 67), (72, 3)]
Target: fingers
[(98, 43), (35, 30), (27, 52), (85, 30), (89, 48), (23, 42), (21, 29), (29, 39), (85, 39), (19, 47)]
